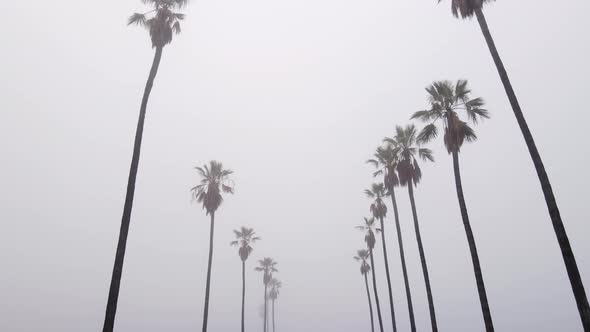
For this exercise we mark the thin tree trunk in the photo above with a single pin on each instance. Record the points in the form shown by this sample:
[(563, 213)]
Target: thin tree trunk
[(403, 259), (243, 292), (483, 298), (370, 305), (207, 289), (111, 310), (562, 238), (265, 308), (375, 292), (273, 315), (422, 258), (387, 275)]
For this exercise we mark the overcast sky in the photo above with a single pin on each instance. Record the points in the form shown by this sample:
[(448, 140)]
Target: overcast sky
[(293, 96)]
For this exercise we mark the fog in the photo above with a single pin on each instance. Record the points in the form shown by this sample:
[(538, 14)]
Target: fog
[(293, 96)]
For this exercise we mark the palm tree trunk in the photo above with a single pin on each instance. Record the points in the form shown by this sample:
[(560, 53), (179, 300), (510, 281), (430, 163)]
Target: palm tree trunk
[(422, 259), (370, 305), (562, 238), (375, 292), (265, 308), (403, 259), (273, 316), (208, 287), (387, 275), (243, 292), (111, 310), (483, 298)]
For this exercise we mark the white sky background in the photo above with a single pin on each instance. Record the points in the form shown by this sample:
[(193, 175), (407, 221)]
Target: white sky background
[(293, 96)]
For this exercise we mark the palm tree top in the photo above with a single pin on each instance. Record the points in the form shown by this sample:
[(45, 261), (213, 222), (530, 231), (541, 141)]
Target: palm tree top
[(377, 192), (385, 162), (244, 238), (407, 150), (361, 256), (161, 22), (267, 265), (214, 181), (370, 228), (446, 99), (275, 286), (466, 8)]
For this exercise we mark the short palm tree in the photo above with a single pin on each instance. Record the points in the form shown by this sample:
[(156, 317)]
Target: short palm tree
[(369, 228), (407, 151), (214, 182), (162, 22), (385, 161), (466, 9), (275, 287), (245, 237), (267, 266), (446, 99), (362, 256), (379, 211)]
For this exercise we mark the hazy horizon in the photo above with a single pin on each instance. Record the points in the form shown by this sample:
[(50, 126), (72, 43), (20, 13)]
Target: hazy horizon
[(293, 97)]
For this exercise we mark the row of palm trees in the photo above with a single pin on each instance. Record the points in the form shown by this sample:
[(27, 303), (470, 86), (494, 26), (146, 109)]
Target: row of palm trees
[(397, 162), (163, 21)]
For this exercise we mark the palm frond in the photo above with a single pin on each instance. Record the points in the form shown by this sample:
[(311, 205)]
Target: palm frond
[(428, 133), (136, 18)]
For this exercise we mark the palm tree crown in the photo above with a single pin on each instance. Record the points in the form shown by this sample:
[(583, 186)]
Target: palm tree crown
[(214, 181), (407, 151), (445, 100), (386, 162), (466, 8), (275, 286), (377, 192), (161, 22), (268, 267), (370, 228), (244, 238), (362, 256)]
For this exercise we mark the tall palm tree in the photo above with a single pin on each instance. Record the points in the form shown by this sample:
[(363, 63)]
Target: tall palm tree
[(369, 228), (162, 22), (275, 286), (379, 211), (385, 160), (267, 266), (214, 182), (446, 99), (245, 237), (466, 9), (362, 256), (408, 151)]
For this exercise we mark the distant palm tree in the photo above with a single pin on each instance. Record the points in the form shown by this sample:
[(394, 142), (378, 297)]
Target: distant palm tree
[(275, 286), (446, 99), (466, 9), (161, 25), (369, 228), (385, 160), (267, 266), (379, 211), (214, 182), (245, 237), (362, 256), (407, 150)]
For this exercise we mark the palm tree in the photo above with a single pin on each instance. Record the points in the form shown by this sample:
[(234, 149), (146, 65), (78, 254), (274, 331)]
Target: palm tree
[(379, 211), (445, 100), (275, 286), (267, 266), (406, 149), (362, 256), (369, 228), (214, 182), (466, 9), (245, 237), (386, 163), (162, 23)]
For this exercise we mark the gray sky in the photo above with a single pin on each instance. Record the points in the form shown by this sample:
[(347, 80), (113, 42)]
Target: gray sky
[(293, 96)]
